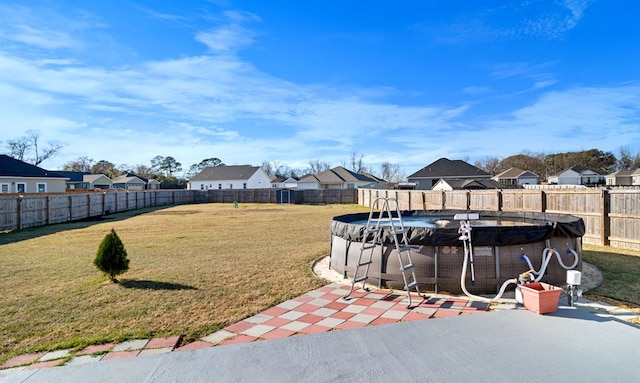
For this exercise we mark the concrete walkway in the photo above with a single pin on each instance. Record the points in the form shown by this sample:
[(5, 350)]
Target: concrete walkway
[(382, 340), (575, 344), (321, 310)]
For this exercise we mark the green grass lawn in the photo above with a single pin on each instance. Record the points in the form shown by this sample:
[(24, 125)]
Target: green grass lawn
[(193, 270), (621, 270)]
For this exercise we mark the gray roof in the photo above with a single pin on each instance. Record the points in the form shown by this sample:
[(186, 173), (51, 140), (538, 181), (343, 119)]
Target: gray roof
[(227, 172), (73, 176), (337, 175), (127, 178), (11, 167), (94, 177), (622, 173), (445, 168), (515, 173)]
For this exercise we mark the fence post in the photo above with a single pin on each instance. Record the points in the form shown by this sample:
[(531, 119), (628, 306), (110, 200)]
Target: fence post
[(19, 213), (499, 200), (468, 200), (605, 222), (70, 216), (543, 201), (48, 204)]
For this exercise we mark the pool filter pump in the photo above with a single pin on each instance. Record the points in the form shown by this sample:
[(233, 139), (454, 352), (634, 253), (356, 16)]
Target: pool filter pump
[(573, 289)]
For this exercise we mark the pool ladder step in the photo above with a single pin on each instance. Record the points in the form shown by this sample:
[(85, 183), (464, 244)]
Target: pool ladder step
[(407, 267), (374, 238)]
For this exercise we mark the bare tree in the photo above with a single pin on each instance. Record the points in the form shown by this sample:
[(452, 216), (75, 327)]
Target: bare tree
[(356, 164), (268, 168), (143, 170), (391, 172), (317, 166), (28, 149), (81, 164), (626, 159), (490, 165)]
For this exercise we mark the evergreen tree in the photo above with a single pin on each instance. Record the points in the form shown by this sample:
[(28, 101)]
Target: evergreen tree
[(111, 257)]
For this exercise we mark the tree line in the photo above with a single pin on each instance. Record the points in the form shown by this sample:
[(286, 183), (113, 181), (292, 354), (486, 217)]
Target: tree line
[(545, 165), (171, 174)]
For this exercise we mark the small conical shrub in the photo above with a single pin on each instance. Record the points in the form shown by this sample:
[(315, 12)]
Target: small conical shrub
[(111, 257)]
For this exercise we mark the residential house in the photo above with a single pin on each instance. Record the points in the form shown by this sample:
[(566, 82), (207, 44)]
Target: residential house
[(74, 179), (339, 178), (20, 177), (516, 177), (129, 181), (576, 175), (463, 184), (97, 181), (426, 178), (282, 182), (620, 178), (86, 181), (230, 177), (635, 177)]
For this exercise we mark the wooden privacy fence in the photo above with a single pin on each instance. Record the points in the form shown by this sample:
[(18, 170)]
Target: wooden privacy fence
[(611, 217), (30, 210)]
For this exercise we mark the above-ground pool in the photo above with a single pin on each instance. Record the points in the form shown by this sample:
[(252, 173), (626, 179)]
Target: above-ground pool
[(500, 239)]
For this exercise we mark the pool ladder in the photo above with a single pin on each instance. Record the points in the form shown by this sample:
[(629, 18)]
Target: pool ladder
[(374, 236)]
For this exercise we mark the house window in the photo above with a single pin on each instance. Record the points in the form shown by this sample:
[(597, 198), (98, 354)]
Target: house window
[(351, 186), (42, 188), (21, 187), (244, 185), (4, 188)]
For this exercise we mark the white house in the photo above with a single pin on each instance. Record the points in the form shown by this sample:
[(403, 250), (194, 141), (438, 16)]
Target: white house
[(620, 178), (577, 175), (230, 177), (282, 182), (635, 177), (516, 177)]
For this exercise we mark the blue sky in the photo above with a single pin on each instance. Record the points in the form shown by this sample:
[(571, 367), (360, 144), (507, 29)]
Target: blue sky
[(405, 82)]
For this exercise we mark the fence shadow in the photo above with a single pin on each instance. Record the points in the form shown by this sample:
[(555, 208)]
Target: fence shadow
[(154, 285), (39, 231)]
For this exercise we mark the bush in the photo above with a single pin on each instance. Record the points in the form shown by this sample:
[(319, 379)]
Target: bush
[(111, 257)]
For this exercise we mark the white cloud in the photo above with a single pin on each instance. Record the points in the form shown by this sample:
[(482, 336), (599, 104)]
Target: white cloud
[(510, 21), (217, 105)]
